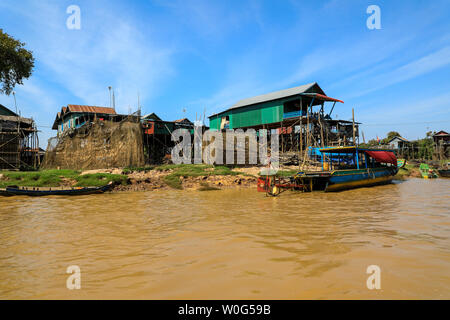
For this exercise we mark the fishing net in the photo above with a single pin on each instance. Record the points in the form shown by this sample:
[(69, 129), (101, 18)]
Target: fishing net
[(100, 144)]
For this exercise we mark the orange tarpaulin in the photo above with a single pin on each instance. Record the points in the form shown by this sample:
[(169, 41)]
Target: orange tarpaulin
[(383, 156)]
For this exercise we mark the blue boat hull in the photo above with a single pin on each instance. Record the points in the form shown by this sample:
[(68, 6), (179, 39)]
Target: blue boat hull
[(348, 179)]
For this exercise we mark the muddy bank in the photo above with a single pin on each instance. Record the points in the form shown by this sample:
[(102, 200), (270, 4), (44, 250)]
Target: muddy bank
[(195, 177), (155, 180), (183, 177), (410, 170)]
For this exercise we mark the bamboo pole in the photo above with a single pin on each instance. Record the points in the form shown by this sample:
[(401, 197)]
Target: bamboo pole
[(301, 132), (321, 128), (353, 125), (307, 136)]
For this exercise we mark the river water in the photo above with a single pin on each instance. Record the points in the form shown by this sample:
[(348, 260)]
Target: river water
[(230, 244)]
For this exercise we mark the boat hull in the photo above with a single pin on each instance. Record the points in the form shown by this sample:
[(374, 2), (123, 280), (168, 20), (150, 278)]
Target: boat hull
[(349, 179), (444, 173), (16, 191), (428, 175)]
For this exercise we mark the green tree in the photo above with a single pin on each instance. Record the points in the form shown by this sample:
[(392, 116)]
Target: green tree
[(16, 63), (425, 148), (390, 135), (370, 143)]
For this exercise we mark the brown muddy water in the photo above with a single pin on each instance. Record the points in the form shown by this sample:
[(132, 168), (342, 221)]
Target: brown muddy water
[(230, 244)]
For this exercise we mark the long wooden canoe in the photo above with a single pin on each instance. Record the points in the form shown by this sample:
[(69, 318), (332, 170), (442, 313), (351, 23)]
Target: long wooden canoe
[(36, 192)]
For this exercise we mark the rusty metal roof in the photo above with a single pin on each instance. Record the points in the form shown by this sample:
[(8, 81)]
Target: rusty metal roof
[(80, 108), (440, 133), (90, 109)]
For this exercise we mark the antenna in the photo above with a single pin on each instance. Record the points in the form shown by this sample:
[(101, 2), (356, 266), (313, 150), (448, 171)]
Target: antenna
[(110, 97), (15, 102), (204, 115)]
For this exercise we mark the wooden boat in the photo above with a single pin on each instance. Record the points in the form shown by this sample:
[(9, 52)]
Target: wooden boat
[(35, 192), (345, 168), (445, 171), (426, 172), (401, 163)]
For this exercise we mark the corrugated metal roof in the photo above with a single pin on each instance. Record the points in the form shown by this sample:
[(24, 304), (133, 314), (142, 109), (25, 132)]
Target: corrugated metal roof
[(440, 133), (80, 108), (312, 87), (16, 119), (4, 111), (151, 116), (183, 120), (90, 109), (398, 137), (277, 95)]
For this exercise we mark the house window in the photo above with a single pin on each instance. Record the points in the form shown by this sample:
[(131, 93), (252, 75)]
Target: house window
[(292, 109)]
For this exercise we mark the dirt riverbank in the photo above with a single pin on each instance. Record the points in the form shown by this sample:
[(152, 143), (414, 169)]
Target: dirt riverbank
[(155, 180), (187, 177)]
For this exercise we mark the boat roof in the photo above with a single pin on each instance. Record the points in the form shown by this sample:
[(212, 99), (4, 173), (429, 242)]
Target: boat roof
[(349, 149)]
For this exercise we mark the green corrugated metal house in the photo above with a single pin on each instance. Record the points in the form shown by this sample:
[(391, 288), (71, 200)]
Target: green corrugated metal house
[(270, 108)]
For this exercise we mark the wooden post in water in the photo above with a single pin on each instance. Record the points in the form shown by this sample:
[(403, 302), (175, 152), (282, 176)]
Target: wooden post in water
[(353, 120), (301, 133), (307, 136), (321, 128)]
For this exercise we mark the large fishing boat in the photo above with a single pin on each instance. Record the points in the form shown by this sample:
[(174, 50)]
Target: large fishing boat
[(342, 168)]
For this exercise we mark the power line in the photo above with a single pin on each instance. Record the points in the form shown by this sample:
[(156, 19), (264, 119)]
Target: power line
[(404, 123)]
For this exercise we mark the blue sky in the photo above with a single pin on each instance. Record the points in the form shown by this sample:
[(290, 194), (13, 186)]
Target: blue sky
[(206, 55)]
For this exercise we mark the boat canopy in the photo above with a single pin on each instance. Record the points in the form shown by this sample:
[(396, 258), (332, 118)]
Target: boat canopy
[(384, 156)]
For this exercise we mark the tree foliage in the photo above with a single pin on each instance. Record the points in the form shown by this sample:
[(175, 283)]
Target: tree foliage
[(16, 63), (389, 136), (425, 148), (374, 142)]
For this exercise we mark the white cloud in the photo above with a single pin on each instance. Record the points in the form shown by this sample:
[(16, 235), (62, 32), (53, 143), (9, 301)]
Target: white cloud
[(77, 66), (108, 50), (421, 66), (412, 117)]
